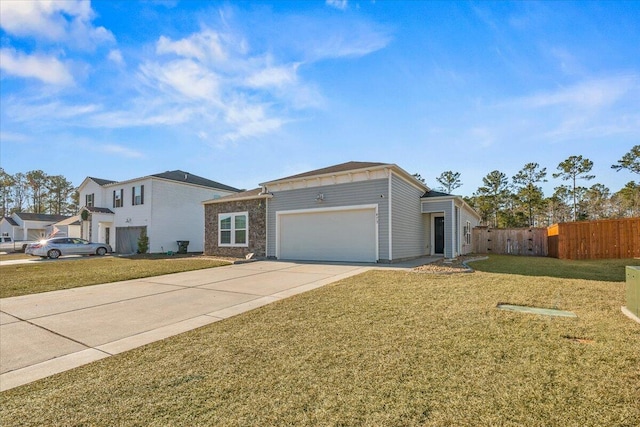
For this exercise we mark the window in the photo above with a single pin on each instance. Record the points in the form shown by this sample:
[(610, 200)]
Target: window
[(137, 195), (232, 229), (117, 198), (88, 200), (467, 233)]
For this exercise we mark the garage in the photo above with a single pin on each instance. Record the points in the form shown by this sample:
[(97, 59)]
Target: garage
[(330, 234)]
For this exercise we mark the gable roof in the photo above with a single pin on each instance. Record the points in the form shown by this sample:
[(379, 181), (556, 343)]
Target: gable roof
[(256, 193), (72, 220), (28, 216), (342, 167), (11, 221), (355, 167), (434, 193), (97, 210), (186, 177), (100, 181)]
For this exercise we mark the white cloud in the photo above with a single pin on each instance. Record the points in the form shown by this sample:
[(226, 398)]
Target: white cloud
[(44, 68), (211, 84), (338, 4), (588, 94), (121, 151), (116, 56), (250, 121), (55, 21), (204, 46), (13, 137), (185, 77), (273, 76)]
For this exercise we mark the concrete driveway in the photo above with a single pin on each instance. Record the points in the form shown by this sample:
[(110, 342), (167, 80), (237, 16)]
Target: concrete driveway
[(47, 333)]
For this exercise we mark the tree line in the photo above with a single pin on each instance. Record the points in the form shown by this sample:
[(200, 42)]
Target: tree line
[(521, 202), (500, 201), (37, 192)]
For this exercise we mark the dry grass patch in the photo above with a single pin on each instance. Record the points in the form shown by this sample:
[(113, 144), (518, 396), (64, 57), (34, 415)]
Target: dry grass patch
[(36, 277), (384, 348)]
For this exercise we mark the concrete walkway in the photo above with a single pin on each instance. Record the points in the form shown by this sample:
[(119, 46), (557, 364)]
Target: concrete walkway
[(52, 332)]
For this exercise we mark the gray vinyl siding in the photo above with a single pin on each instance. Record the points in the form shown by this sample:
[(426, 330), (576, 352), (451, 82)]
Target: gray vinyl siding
[(348, 194), (407, 223), (445, 206), (465, 216)]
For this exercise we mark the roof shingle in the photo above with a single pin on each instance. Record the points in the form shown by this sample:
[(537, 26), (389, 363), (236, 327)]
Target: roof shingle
[(342, 167), (181, 176)]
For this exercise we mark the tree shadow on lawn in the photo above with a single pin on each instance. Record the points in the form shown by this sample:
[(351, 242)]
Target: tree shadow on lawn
[(607, 270)]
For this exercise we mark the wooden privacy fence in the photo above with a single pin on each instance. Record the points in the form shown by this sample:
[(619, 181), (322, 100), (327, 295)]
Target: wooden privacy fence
[(609, 238), (513, 241)]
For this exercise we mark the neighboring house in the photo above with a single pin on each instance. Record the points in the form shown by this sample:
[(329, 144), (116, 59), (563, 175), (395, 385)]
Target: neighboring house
[(22, 226), (167, 205), (70, 227), (355, 211)]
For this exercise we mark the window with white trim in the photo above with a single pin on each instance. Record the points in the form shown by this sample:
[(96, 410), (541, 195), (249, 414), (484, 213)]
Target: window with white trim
[(467, 233), (233, 229), (89, 199)]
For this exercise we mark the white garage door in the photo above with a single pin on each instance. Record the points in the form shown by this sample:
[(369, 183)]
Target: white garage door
[(329, 235)]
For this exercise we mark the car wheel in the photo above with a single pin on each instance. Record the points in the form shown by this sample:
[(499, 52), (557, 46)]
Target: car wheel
[(54, 254), (101, 251)]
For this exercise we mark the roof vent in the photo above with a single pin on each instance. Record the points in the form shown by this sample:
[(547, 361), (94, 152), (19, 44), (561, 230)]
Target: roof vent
[(186, 176)]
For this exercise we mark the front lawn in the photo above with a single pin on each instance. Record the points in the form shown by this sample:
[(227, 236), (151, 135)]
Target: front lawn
[(610, 270), (44, 276), (384, 348)]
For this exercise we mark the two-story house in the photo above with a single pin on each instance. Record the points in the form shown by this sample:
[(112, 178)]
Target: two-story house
[(166, 205)]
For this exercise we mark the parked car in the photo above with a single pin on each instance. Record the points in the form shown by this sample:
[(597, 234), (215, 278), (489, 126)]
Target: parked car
[(55, 247), (8, 245)]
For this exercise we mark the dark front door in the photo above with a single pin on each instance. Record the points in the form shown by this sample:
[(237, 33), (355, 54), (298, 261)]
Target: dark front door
[(438, 225)]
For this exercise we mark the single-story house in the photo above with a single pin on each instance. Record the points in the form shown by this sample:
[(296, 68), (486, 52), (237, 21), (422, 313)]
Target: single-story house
[(353, 212), (70, 227), (167, 206), (21, 226)]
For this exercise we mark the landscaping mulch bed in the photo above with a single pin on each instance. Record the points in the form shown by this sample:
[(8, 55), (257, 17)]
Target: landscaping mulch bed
[(447, 266)]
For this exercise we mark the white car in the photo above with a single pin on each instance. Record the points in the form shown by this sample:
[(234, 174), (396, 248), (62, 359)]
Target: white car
[(57, 246)]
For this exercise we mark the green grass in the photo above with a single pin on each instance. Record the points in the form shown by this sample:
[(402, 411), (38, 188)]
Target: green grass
[(384, 348), (609, 270), (31, 278)]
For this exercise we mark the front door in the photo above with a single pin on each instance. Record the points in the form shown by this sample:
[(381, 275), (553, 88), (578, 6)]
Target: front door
[(438, 244)]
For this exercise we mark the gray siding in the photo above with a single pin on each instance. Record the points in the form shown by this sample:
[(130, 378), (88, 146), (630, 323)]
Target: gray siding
[(407, 223), (465, 216), (348, 194), (445, 206)]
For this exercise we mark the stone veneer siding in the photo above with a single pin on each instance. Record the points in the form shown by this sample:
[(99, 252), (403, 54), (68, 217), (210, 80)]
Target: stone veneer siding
[(257, 227)]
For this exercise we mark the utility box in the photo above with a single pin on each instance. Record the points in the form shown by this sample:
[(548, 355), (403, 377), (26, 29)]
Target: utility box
[(633, 290), (182, 246)]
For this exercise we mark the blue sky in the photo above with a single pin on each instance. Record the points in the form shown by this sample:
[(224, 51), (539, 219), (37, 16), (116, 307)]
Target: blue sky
[(246, 92)]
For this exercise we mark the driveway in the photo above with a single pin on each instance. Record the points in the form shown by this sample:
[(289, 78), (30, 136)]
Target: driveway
[(52, 332)]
